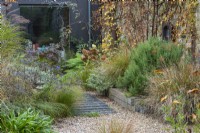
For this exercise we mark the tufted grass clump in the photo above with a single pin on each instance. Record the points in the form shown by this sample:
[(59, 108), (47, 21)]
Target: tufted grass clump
[(58, 103), (116, 126)]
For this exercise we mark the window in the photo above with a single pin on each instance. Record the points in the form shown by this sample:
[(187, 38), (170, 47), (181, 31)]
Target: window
[(45, 22)]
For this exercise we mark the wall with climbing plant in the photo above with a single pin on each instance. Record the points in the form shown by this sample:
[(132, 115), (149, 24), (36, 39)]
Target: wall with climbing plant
[(134, 21)]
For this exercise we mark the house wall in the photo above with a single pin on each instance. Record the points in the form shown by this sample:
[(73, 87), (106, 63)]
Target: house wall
[(78, 25)]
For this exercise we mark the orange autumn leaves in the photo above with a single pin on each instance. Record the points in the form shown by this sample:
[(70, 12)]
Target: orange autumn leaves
[(189, 92), (192, 91), (159, 71), (9, 1), (92, 54), (174, 102)]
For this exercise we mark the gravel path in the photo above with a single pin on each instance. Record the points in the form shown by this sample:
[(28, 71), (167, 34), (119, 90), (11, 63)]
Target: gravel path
[(139, 122)]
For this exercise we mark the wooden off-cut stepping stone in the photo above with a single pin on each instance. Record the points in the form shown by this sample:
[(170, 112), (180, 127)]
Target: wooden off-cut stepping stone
[(90, 104)]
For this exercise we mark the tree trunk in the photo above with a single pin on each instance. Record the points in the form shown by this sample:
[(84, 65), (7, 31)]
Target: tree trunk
[(193, 45), (194, 36), (147, 33), (154, 17)]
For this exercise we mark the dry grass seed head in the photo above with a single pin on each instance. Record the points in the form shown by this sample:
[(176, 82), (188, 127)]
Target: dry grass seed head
[(117, 126)]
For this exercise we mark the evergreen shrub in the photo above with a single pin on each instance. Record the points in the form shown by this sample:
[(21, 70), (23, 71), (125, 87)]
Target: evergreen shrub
[(148, 56)]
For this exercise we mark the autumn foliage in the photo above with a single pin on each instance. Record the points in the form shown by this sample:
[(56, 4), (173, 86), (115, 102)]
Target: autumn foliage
[(136, 21)]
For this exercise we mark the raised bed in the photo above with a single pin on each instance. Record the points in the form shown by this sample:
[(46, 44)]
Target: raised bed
[(136, 104)]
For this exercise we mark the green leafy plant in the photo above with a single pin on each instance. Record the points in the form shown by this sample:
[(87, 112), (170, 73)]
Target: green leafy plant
[(85, 73), (92, 114), (77, 71), (98, 81), (196, 120), (79, 44), (173, 113), (74, 69), (74, 63), (28, 121), (146, 57)]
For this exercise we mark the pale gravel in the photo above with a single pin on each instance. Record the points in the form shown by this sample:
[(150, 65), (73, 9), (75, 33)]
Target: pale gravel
[(140, 122)]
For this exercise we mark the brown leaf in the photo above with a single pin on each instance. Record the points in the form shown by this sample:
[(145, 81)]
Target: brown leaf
[(176, 102), (193, 91), (194, 117), (196, 73), (198, 105), (83, 58), (163, 98), (159, 71), (85, 52), (94, 51), (103, 57)]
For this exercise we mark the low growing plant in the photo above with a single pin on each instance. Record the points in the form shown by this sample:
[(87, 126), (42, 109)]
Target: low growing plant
[(76, 71), (98, 81), (74, 63), (92, 114), (174, 114), (106, 75), (28, 121)]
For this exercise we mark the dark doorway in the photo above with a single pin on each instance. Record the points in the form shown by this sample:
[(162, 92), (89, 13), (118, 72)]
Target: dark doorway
[(166, 32)]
